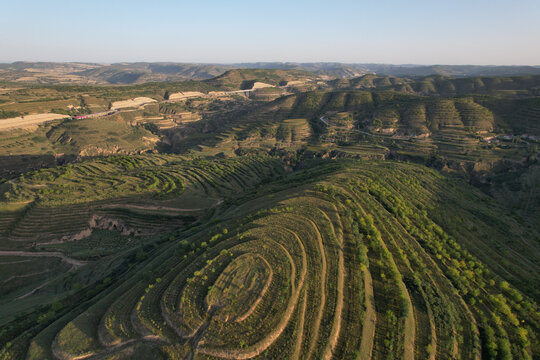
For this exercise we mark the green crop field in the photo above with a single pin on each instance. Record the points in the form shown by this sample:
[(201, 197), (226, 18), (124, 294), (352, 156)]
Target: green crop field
[(374, 217)]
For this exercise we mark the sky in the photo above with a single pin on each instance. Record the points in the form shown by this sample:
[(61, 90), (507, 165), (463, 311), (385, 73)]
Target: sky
[(482, 32)]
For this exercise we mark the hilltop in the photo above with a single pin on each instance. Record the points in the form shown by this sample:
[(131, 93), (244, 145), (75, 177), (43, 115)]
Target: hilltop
[(245, 78)]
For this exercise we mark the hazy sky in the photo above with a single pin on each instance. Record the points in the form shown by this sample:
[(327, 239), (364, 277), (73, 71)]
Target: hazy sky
[(221, 31)]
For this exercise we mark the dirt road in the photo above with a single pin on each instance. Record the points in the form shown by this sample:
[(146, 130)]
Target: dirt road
[(69, 260)]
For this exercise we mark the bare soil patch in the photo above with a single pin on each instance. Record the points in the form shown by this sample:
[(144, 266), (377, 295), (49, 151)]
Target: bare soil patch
[(28, 121), (185, 95), (136, 102)]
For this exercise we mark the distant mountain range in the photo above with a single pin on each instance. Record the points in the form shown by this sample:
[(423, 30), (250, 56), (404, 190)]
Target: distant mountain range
[(141, 72)]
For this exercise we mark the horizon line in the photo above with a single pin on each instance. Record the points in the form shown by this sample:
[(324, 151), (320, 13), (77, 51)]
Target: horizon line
[(257, 62)]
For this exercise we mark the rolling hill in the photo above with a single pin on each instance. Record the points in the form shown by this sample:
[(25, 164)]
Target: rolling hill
[(141, 72)]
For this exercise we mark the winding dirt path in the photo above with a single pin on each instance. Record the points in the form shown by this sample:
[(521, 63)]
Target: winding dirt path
[(370, 318), (298, 348), (320, 314), (410, 327), (69, 260), (156, 207), (74, 262), (119, 347), (23, 276), (14, 262), (336, 324)]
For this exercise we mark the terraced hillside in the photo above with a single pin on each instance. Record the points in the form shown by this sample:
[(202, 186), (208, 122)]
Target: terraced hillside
[(341, 259), (48, 195), (444, 85), (372, 217), (451, 131)]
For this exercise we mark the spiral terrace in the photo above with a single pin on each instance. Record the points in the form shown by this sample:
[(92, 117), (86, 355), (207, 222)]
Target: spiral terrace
[(337, 261)]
